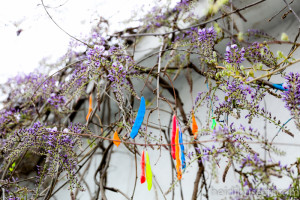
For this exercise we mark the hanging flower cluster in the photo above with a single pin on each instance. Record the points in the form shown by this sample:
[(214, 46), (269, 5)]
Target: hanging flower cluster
[(239, 96), (291, 96), (234, 55), (58, 147), (206, 40), (258, 52)]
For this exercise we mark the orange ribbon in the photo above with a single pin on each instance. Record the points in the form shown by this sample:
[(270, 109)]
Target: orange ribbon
[(116, 139), (90, 107), (178, 163), (194, 126)]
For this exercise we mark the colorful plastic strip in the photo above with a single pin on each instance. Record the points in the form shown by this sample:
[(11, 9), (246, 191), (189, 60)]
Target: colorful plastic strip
[(12, 167), (139, 119), (194, 126), (181, 148), (116, 139), (178, 163), (173, 137), (148, 172), (143, 177), (213, 125), (90, 107), (279, 87)]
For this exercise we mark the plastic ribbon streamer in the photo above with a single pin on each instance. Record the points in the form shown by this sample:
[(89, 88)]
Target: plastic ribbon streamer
[(173, 137), (148, 172), (143, 177), (194, 126), (279, 86), (181, 148), (116, 139), (213, 124), (178, 163), (12, 167), (90, 107), (139, 119)]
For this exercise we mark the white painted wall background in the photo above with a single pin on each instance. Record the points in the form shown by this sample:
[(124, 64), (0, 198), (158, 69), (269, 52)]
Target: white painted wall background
[(121, 172)]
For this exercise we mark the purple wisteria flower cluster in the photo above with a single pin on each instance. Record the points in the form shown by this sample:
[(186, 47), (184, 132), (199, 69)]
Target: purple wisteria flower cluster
[(155, 18), (202, 40), (204, 37), (258, 34), (120, 64), (206, 41), (253, 160), (36, 88), (233, 55), (99, 53), (239, 96), (237, 138), (104, 60), (26, 94), (291, 96), (210, 153), (56, 100), (258, 52), (79, 75), (9, 116), (22, 85), (58, 147), (182, 4), (14, 198), (247, 160), (117, 72), (207, 36), (97, 56), (198, 97)]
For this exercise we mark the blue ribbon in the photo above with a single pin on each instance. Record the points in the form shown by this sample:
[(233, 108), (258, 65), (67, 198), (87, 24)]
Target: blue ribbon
[(279, 86), (139, 119), (182, 149)]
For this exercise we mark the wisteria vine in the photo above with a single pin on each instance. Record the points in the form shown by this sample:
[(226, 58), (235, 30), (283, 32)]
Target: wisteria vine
[(52, 126)]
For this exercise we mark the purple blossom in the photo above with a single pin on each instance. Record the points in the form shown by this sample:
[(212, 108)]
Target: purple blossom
[(58, 147), (182, 4), (234, 55), (79, 76), (207, 35), (56, 100), (258, 52), (291, 96), (206, 40), (198, 97)]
